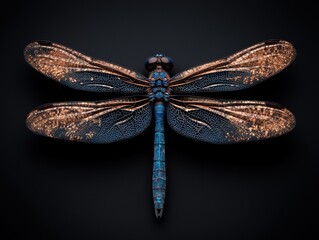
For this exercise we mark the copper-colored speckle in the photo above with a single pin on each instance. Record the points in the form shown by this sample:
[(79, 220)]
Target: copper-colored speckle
[(249, 119), (260, 61), (56, 61), (73, 120)]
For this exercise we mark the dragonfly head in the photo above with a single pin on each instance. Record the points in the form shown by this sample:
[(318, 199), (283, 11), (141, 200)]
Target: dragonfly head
[(159, 59)]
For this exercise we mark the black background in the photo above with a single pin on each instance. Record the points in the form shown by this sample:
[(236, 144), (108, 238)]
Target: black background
[(53, 189)]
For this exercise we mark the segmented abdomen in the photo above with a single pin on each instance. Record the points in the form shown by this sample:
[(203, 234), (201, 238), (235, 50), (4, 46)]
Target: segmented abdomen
[(159, 173)]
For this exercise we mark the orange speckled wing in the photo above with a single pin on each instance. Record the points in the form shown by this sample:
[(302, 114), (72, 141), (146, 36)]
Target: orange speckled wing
[(81, 72), (94, 122), (241, 70), (227, 121)]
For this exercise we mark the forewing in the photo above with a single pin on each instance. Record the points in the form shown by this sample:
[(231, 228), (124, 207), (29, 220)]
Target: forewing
[(241, 70), (226, 121), (94, 122), (81, 72)]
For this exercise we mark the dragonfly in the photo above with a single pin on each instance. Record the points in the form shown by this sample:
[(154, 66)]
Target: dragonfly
[(161, 96)]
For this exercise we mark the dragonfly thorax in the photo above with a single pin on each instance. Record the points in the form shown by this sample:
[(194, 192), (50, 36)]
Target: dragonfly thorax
[(159, 83)]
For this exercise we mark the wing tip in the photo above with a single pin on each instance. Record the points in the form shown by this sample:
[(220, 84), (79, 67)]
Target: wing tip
[(288, 120), (291, 121), (288, 117), (29, 121), (33, 118), (291, 50), (29, 49), (28, 52)]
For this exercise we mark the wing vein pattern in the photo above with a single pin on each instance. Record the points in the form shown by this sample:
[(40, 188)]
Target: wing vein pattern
[(239, 71), (94, 122), (227, 121), (81, 72)]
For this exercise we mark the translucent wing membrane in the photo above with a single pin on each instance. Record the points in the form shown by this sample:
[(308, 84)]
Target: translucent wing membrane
[(226, 121), (78, 71), (241, 70), (94, 122)]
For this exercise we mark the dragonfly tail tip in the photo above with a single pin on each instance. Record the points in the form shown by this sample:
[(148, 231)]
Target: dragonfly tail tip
[(158, 212)]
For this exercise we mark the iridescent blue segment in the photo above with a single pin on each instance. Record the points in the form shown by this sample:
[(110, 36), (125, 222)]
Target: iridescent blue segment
[(159, 92), (159, 172), (159, 83), (159, 75)]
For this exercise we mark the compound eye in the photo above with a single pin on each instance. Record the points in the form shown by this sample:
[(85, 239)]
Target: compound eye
[(151, 63), (167, 63), (165, 60), (152, 60)]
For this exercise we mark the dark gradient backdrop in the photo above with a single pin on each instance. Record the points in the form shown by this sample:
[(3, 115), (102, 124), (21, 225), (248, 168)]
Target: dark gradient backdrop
[(53, 189)]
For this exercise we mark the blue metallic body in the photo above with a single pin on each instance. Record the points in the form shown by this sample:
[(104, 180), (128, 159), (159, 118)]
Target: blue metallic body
[(159, 94), (159, 172)]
